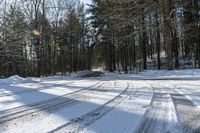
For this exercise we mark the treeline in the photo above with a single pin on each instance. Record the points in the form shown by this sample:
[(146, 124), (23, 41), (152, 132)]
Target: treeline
[(131, 33), (43, 37)]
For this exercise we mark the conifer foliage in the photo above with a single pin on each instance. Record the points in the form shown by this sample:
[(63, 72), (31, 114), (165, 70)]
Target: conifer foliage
[(45, 37)]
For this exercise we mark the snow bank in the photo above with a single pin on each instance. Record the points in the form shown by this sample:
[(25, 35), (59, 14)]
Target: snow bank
[(13, 79), (165, 74), (32, 79), (149, 74), (178, 74)]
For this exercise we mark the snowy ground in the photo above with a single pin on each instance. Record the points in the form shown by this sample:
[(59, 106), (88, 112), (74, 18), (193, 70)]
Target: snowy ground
[(153, 101)]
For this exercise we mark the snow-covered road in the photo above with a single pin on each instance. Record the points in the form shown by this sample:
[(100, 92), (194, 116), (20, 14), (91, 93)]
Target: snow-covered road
[(109, 104)]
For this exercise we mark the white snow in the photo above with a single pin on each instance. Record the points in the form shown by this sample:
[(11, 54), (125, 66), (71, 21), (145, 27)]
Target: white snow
[(163, 74), (126, 117), (13, 79), (188, 88)]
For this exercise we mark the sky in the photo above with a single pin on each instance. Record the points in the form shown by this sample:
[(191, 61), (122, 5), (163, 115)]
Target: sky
[(86, 1)]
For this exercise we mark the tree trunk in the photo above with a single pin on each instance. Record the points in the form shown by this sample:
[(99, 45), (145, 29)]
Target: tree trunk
[(167, 32)]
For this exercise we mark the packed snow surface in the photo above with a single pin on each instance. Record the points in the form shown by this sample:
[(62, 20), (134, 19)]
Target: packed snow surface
[(151, 101)]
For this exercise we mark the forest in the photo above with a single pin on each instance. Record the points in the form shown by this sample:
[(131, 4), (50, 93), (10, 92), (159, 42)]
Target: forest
[(47, 37)]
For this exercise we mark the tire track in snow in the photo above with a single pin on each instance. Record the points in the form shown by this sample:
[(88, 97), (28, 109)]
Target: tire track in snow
[(50, 105), (185, 89), (77, 124), (126, 117), (161, 116), (188, 114), (193, 84), (42, 115)]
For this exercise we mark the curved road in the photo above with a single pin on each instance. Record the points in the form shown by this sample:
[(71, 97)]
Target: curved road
[(107, 106)]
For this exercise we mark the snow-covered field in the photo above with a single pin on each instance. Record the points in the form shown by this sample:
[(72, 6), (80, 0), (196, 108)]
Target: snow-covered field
[(152, 101)]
